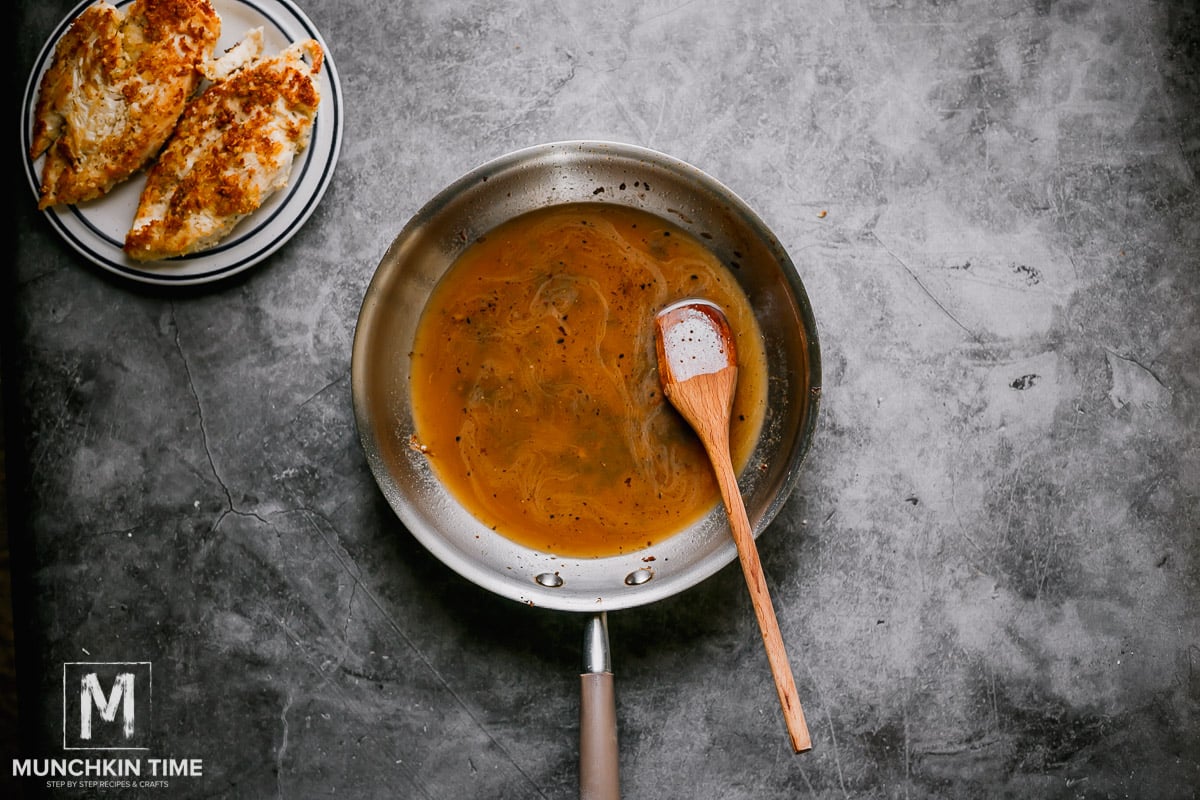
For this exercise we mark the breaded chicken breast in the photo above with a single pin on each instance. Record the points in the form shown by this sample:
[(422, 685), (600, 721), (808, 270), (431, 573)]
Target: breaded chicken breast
[(233, 148), (114, 90)]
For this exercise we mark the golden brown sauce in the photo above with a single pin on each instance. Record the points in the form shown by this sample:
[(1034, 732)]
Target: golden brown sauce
[(535, 387)]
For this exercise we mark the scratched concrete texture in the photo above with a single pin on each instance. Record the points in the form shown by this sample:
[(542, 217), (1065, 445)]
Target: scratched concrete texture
[(987, 578)]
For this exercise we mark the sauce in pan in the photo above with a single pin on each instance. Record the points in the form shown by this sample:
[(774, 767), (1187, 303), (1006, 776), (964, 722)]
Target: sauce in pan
[(535, 387)]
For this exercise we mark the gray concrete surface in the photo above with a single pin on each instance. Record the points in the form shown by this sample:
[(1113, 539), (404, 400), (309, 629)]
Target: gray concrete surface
[(988, 577)]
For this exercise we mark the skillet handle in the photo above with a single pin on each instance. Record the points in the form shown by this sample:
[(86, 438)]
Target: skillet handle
[(599, 772)]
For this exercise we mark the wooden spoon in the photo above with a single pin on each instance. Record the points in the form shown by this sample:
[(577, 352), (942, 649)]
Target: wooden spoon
[(697, 364)]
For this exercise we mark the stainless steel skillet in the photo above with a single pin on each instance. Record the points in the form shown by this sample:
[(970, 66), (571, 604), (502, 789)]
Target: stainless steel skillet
[(552, 174)]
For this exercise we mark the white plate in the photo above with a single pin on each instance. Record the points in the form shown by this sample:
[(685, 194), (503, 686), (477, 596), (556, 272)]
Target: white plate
[(97, 228)]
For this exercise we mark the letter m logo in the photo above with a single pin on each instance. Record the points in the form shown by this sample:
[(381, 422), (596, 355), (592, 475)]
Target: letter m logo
[(91, 695), (113, 705)]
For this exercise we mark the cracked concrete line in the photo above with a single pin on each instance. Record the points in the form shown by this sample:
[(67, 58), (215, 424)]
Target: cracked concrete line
[(312, 516), (326, 680), (336, 381), (283, 745), (187, 369), (820, 702), (355, 584), (925, 289), (350, 609), (1131, 360), (117, 532), (618, 98), (544, 98)]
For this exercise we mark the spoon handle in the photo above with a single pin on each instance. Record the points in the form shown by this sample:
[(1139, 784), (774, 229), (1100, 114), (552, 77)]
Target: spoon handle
[(764, 610)]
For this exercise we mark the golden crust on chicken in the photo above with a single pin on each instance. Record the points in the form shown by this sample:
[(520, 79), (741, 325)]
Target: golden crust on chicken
[(233, 148), (113, 92)]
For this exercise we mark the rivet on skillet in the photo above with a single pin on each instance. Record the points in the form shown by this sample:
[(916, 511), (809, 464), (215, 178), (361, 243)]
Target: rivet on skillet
[(639, 576), (551, 580)]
